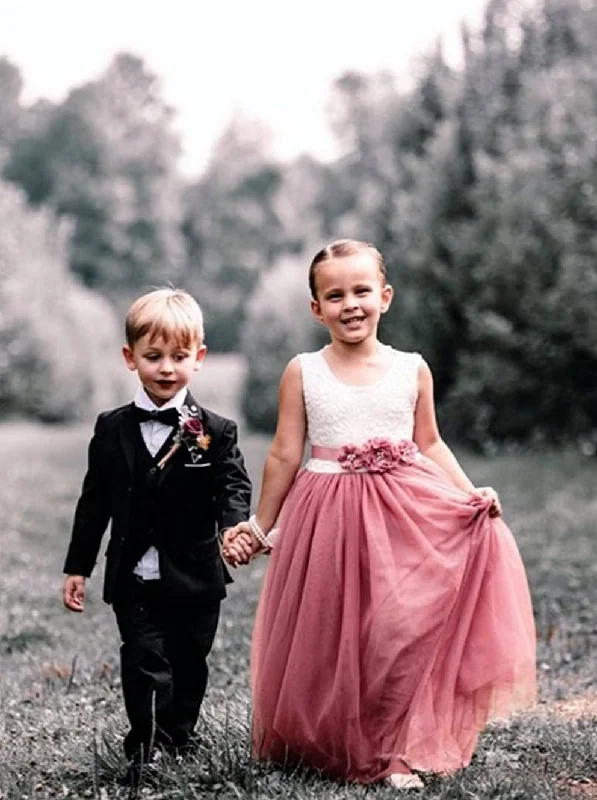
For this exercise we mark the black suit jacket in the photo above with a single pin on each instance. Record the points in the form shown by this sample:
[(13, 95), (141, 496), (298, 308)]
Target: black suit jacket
[(192, 503)]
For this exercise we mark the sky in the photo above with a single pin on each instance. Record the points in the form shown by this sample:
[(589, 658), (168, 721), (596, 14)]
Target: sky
[(271, 60)]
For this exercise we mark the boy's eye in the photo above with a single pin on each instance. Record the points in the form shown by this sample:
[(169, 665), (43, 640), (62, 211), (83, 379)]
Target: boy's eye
[(152, 356), (334, 296)]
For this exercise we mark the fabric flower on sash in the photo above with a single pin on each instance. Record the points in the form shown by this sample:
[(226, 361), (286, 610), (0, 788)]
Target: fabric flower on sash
[(377, 455)]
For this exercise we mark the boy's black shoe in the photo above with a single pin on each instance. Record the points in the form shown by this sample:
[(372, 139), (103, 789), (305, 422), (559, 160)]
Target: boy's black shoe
[(132, 776), (181, 751), (139, 770)]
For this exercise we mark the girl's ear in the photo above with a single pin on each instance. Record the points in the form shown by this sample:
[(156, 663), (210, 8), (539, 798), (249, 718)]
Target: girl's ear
[(316, 310), (387, 293)]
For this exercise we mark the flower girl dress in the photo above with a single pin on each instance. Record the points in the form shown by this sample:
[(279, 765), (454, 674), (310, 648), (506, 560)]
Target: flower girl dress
[(395, 618)]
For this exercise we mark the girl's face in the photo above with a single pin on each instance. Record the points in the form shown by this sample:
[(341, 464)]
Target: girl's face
[(351, 296)]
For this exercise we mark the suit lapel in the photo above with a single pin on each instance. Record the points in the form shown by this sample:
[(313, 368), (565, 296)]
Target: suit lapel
[(193, 405), (128, 434), (181, 454)]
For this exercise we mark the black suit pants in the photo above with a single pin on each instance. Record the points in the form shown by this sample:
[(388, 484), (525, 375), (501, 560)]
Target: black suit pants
[(163, 664)]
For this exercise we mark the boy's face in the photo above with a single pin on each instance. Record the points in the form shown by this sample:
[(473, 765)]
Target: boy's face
[(164, 366)]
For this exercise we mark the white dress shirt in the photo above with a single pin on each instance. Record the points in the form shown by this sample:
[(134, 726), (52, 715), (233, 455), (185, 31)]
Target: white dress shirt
[(154, 435)]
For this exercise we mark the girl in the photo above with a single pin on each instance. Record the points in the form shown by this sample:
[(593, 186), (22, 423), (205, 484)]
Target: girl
[(395, 619)]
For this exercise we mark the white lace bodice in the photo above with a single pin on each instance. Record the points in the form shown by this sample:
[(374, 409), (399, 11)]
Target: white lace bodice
[(339, 414)]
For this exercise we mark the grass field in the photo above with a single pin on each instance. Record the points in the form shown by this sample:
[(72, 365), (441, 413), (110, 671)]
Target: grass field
[(61, 715)]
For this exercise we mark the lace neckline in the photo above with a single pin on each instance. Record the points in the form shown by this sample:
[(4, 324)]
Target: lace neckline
[(331, 374)]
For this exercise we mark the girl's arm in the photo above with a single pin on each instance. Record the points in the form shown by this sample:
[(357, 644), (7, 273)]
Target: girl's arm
[(281, 465), (286, 451), (426, 434)]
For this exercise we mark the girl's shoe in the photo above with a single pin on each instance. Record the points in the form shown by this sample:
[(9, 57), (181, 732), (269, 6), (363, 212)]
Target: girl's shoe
[(407, 780)]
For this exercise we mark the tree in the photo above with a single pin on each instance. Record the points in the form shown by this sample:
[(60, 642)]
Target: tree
[(232, 228), (107, 159), (11, 86), (59, 342), (278, 326), (480, 187)]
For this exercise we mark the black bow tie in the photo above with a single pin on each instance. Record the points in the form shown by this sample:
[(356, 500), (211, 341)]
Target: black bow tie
[(169, 416)]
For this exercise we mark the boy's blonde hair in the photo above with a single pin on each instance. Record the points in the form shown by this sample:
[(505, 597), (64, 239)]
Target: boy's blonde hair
[(166, 313)]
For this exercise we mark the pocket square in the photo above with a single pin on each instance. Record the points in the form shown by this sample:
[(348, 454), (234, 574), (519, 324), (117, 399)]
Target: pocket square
[(204, 464)]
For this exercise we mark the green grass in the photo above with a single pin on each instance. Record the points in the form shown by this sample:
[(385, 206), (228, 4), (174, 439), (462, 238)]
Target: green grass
[(61, 714)]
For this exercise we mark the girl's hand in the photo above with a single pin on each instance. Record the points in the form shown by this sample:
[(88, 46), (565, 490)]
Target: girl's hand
[(486, 493)]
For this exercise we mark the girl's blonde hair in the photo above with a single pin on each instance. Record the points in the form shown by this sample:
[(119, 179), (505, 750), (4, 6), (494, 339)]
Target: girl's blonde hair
[(340, 249), (166, 313)]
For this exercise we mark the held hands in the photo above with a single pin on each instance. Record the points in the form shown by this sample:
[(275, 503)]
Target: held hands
[(73, 593), (483, 494), (239, 545)]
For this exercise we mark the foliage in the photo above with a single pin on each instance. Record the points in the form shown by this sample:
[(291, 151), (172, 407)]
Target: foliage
[(11, 85), (517, 261), (244, 213), (106, 158), (478, 184), (58, 341), (278, 326), (479, 187), (231, 228)]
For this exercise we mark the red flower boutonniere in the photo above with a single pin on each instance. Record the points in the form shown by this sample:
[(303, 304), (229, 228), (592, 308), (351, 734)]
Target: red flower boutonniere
[(194, 435), (190, 433)]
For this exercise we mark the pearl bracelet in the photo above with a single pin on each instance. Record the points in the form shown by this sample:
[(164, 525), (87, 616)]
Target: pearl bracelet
[(258, 533)]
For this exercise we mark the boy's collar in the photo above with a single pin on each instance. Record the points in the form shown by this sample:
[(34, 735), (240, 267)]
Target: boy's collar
[(142, 400)]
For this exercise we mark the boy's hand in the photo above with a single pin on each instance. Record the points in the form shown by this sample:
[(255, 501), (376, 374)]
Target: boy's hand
[(73, 593), (487, 493), (239, 545)]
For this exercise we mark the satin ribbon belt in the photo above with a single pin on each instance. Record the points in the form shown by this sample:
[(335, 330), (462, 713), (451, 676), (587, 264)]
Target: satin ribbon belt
[(375, 455)]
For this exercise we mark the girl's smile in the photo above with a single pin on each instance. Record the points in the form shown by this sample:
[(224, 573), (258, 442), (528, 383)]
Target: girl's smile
[(355, 320)]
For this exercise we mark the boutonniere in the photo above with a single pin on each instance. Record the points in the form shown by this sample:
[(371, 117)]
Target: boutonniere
[(191, 434)]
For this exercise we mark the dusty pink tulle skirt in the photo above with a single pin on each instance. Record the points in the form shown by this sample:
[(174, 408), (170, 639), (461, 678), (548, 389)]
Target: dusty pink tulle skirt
[(394, 622)]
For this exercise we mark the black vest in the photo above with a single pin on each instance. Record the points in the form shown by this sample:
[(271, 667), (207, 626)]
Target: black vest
[(144, 498)]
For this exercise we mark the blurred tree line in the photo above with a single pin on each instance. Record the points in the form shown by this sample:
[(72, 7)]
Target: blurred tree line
[(478, 184)]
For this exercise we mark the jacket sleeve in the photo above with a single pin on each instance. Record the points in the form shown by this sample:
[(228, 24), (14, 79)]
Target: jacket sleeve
[(92, 513), (232, 483)]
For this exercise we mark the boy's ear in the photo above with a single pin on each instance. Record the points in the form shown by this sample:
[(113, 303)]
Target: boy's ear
[(316, 310), (201, 353), (129, 358)]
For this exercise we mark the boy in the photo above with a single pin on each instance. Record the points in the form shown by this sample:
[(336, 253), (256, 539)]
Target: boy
[(170, 477)]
